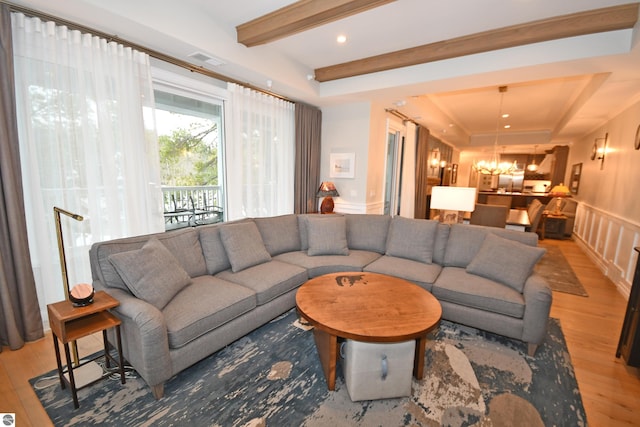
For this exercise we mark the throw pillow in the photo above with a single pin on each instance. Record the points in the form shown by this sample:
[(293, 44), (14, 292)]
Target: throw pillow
[(152, 273), (279, 233), (505, 261), (327, 235), (244, 246), (412, 239)]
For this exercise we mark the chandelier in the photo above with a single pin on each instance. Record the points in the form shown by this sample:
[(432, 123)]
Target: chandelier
[(533, 167), (494, 166)]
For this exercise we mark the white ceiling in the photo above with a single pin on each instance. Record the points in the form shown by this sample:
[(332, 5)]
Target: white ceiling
[(558, 91)]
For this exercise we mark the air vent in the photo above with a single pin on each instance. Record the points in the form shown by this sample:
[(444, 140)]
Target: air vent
[(203, 57)]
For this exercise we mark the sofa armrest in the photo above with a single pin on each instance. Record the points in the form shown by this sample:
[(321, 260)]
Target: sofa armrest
[(538, 297), (144, 337)]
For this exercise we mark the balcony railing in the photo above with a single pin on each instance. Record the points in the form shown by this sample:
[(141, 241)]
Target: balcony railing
[(191, 206)]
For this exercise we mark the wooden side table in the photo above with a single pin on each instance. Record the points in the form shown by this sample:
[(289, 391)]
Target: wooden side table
[(69, 323), (553, 226)]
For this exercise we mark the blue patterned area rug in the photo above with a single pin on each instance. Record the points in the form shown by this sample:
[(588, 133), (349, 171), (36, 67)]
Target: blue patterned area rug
[(272, 377)]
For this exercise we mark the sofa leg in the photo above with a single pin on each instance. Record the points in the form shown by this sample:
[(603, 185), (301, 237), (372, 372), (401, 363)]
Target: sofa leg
[(531, 351), (158, 391)]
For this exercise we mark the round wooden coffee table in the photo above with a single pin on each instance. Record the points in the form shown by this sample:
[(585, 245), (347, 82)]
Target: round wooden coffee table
[(366, 307)]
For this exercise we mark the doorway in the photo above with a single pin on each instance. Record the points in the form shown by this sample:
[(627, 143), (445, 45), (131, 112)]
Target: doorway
[(393, 168)]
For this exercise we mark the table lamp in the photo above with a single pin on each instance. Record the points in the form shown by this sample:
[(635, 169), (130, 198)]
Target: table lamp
[(80, 295), (451, 201), (559, 190), (328, 191)]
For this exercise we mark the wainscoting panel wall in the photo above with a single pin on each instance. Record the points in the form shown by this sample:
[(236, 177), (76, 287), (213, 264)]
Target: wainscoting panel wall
[(609, 241)]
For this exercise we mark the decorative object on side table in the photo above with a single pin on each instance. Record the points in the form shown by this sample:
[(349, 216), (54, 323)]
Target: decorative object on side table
[(328, 191), (81, 295)]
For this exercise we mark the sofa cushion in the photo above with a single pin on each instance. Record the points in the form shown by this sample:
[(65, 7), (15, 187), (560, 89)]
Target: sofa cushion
[(279, 233), (243, 245), (152, 273), (204, 305), (411, 238), (463, 245), (324, 264), (417, 272), (456, 286), (303, 220), (327, 235), (440, 246), (505, 261), (367, 232), (268, 280), (214, 254)]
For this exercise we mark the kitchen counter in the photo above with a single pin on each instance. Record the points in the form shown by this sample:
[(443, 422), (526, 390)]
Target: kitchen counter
[(518, 200)]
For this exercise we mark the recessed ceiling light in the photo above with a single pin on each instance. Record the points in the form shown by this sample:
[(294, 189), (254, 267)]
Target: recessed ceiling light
[(505, 115), (507, 126), (341, 39)]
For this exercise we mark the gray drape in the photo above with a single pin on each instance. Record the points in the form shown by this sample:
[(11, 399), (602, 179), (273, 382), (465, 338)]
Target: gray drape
[(20, 318), (308, 123), (422, 172)]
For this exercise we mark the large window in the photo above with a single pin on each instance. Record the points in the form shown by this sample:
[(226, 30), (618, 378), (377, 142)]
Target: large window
[(190, 138)]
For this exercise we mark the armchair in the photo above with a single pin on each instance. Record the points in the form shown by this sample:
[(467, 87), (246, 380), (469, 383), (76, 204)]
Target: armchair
[(490, 215)]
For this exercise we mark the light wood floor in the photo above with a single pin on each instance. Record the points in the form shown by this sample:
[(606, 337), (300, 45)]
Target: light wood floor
[(610, 389)]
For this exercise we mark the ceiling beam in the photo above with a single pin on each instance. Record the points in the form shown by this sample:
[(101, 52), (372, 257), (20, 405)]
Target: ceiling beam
[(300, 16), (576, 24)]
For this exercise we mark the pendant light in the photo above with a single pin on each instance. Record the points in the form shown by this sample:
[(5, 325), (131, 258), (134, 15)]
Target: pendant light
[(494, 166)]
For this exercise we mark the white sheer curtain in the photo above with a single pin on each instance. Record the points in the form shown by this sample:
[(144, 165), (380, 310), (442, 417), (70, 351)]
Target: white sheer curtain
[(87, 144), (260, 154)]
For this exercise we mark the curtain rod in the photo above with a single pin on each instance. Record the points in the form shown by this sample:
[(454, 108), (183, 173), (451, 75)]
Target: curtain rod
[(401, 116), (153, 53)]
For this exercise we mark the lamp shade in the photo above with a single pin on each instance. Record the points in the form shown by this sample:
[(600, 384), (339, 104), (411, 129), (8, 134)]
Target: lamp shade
[(327, 188), (453, 198), (560, 190)]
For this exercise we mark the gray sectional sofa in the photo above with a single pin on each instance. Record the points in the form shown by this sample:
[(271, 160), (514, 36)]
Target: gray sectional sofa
[(187, 293)]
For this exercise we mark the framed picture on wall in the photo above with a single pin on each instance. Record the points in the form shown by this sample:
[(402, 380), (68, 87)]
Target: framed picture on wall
[(576, 170), (342, 165)]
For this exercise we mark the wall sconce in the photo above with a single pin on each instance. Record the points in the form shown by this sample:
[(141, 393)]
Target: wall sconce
[(434, 158), (598, 152)]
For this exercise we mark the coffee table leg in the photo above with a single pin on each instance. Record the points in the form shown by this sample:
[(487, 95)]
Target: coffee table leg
[(418, 360), (327, 346)]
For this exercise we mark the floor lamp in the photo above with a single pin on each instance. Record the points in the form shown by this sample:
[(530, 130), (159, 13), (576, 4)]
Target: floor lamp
[(91, 371)]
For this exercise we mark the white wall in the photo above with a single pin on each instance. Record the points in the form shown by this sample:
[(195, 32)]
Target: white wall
[(345, 129), (360, 128), (608, 219), (377, 159)]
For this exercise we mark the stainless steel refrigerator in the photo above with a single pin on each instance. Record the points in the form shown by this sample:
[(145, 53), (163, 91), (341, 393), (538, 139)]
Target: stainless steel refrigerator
[(512, 183)]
